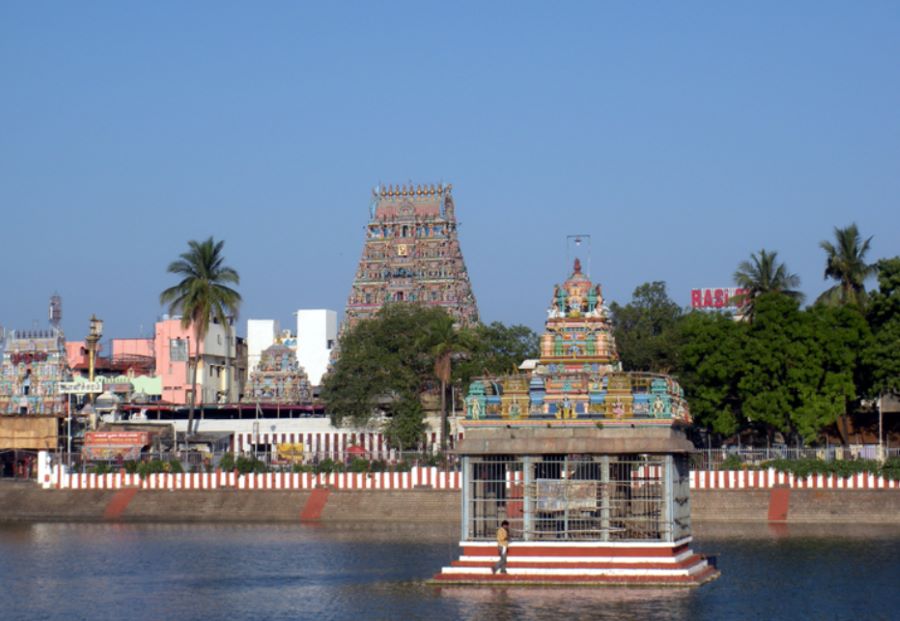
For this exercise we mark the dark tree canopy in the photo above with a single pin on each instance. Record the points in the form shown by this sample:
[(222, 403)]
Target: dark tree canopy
[(386, 364), (496, 349), (883, 355), (644, 329), (709, 369)]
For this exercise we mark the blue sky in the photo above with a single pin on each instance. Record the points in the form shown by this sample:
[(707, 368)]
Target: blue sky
[(681, 136)]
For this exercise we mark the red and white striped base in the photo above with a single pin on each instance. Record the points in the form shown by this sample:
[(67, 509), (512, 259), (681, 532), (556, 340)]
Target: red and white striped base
[(594, 563)]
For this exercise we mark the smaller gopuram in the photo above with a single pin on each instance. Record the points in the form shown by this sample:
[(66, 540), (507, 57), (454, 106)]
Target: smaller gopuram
[(278, 378), (34, 363), (588, 464)]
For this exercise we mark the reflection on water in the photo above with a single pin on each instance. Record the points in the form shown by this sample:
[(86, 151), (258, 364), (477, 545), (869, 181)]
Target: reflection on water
[(358, 571), (566, 604)]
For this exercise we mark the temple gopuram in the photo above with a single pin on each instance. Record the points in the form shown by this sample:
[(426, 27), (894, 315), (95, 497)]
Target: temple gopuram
[(588, 464), (412, 254), (34, 363), (278, 378)]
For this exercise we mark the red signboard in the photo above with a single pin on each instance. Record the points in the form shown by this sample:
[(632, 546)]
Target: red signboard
[(117, 438), (721, 297)]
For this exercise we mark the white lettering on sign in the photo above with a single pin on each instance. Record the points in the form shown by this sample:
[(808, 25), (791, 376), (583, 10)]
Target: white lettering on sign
[(80, 388)]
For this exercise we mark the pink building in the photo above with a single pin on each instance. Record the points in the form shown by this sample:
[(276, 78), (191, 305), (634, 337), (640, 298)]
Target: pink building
[(222, 363), (139, 347), (135, 356), (77, 354)]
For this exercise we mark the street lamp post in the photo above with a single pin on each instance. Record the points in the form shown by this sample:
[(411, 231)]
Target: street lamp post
[(93, 338)]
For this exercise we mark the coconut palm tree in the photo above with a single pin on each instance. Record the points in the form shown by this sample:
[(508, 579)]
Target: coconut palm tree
[(846, 263), (203, 295), (444, 341), (763, 274)]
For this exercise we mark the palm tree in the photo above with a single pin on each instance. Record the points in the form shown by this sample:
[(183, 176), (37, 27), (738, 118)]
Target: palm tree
[(846, 264), (763, 274), (202, 296), (444, 341)]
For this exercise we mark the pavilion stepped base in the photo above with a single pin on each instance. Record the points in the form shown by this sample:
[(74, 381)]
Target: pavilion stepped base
[(569, 563)]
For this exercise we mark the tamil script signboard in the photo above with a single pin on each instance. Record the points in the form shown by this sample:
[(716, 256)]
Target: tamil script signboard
[(110, 445), (721, 297), (80, 388), (557, 495)]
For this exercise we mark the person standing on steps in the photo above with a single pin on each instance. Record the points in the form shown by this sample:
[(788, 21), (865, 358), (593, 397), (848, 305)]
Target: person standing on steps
[(502, 547)]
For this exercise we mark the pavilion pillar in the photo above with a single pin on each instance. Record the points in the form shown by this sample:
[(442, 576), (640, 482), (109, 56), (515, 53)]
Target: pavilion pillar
[(604, 497), (528, 500)]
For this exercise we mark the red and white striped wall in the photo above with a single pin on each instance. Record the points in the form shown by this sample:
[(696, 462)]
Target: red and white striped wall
[(417, 477), (589, 562), (765, 479), (423, 476)]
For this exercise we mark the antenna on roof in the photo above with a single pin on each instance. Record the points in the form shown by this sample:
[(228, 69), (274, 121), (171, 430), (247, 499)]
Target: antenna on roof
[(579, 247), (55, 310)]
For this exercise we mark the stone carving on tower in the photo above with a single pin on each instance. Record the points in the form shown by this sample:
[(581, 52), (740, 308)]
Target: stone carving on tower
[(412, 254)]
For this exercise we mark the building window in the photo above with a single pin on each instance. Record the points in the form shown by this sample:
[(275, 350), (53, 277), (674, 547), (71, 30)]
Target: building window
[(178, 350)]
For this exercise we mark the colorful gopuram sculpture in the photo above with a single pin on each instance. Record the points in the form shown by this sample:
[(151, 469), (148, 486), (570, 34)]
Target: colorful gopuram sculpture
[(34, 363), (579, 377), (412, 254), (278, 378)]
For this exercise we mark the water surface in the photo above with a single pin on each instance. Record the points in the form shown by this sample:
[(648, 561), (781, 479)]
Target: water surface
[(236, 572)]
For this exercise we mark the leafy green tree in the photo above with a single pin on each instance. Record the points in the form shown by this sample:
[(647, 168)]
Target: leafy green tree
[(386, 363), (883, 354), (710, 366), (201, 296), (773, 352), (800, 368), (836, 338), (495, 349), (764, 274), (645, 329), (846, 263)]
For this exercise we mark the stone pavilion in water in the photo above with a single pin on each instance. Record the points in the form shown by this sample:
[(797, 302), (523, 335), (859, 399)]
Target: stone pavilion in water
[(589, 464)]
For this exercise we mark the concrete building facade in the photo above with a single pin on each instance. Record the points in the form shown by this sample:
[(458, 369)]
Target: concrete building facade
[(261, 334), (316, 338)]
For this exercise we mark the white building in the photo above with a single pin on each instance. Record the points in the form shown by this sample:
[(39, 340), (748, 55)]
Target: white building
[(261, 333), (316, 337)]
